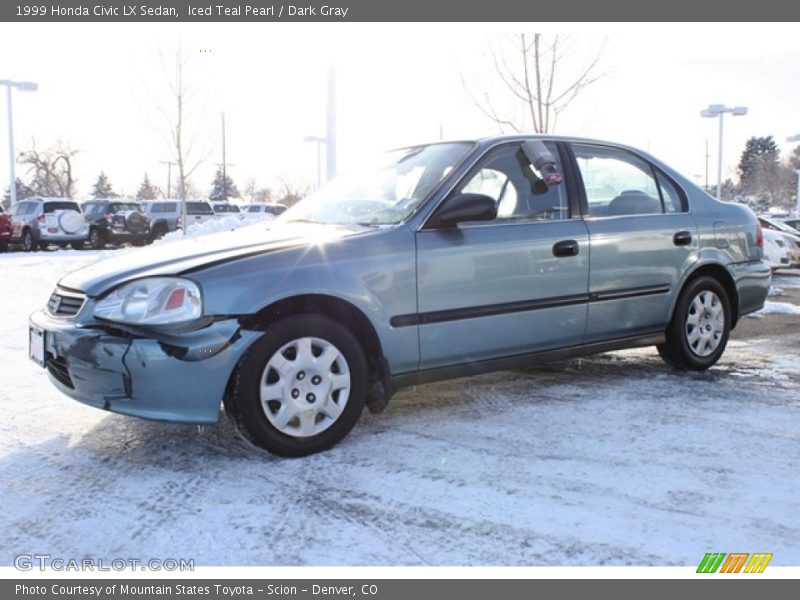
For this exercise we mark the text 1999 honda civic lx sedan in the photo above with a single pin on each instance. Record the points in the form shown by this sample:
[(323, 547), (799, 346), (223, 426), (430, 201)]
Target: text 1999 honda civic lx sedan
[(440, 261)]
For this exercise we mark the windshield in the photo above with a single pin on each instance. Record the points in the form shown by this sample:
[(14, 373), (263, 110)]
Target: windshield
[(385, 193)]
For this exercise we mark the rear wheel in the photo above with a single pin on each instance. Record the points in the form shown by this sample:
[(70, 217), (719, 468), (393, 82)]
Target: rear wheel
[(77, 245), (300, 388), (28, 244), (3, 246), (96, 239), (699, 330)]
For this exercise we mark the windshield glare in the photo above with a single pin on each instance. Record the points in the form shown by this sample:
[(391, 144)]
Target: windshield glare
[(384, 194)]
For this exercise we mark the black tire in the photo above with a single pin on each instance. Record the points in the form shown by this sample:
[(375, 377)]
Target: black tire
[(158, 231), (3, 246), (96, 239), (27, 242), (243, 404), (77, 245), (677, 351)]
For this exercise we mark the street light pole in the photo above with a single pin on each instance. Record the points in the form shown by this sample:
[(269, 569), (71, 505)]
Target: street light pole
[(796, 138), (718, 110), (12, 186), (23, 86), (318, 141)]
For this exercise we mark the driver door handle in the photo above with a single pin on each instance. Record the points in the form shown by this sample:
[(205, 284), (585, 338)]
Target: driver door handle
[(566, 248)]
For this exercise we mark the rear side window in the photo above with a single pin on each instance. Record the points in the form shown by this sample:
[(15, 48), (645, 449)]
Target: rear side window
[(50, 207), (226, 208), (164, 207), (94, 208), (22, 208), (199, 208), (254, 209)]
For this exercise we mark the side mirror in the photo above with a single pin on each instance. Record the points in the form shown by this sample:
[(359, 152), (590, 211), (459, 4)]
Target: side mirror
[(462, 208)]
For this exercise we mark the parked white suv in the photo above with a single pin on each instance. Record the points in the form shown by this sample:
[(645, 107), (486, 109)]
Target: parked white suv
[(38, 222)]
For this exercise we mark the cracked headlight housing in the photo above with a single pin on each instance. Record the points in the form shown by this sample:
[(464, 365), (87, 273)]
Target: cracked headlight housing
[(152, 301)]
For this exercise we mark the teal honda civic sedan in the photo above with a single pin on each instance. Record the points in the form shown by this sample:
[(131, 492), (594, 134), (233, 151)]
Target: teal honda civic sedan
[(437, 261)]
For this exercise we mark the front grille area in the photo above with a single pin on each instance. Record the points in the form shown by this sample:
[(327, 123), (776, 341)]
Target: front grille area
[(63, 304), (57, 366)]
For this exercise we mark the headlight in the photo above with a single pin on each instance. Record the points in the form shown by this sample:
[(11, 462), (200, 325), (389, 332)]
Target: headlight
[(152, 301)]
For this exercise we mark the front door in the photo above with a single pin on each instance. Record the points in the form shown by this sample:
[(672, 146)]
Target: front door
[(510, 286)]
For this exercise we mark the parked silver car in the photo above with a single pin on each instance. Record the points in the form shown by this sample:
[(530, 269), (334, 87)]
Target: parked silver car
[(38, 222), (446, 260), (166, 215)]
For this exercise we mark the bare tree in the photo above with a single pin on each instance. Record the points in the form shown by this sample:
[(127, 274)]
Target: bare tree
[(533, 69), (292, 192), (187, 157), (50, 171), (254, 193)]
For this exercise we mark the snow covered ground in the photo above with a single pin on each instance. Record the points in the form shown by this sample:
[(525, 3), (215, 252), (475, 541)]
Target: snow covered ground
[(608, 460)]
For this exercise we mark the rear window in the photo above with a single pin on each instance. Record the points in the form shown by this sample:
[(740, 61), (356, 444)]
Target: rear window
[(124, 206), (199, 208), (50, 207)]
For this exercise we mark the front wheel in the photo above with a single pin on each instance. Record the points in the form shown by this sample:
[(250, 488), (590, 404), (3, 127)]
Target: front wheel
[(300, 388), (698, 333)]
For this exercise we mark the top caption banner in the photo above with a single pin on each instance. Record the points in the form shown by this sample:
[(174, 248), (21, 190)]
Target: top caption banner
[(403, 11)]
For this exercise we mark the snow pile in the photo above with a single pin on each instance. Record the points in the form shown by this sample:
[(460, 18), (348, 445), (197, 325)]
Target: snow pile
[(779, 308), (774, 292), (216, 225)]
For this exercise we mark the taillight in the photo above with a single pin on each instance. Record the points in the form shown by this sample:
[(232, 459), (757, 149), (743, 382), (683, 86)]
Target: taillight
[(41, 218), (759, 235), (108, 218)]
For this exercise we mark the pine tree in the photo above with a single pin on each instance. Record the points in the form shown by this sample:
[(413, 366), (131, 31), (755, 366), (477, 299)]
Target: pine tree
[(147, 191), (102, 188), (794, 158), (223, 188), (760, 153)]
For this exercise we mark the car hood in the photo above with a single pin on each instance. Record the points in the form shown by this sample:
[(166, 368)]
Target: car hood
[(169, 257)]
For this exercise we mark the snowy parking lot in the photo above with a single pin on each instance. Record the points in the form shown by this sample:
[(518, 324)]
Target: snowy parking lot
[(608, 460)]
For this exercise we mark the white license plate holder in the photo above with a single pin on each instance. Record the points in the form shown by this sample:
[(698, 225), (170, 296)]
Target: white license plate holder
[(36, 337)]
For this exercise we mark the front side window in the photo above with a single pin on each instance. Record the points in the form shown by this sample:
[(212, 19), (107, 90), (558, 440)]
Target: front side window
[(617, 182), (383, 193), (507, 176)]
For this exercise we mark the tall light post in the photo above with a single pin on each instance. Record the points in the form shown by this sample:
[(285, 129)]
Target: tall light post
[(718, 110), (318, 141), (796, 138), (22, 86)]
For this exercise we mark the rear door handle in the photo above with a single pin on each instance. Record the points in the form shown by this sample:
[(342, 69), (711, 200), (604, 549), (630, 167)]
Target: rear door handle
[(566, 248), (682, 238)]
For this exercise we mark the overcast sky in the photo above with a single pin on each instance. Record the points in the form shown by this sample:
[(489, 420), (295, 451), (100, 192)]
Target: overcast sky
[(103, 88)]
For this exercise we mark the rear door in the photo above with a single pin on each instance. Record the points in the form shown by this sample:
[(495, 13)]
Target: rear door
[(500, 288), (642, 240)]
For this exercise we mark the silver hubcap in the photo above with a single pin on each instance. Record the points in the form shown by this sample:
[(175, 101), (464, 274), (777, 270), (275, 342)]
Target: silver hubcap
[(705, 323), (305, 386)]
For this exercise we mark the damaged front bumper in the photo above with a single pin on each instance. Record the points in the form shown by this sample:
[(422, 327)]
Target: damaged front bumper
[(165, 377)]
